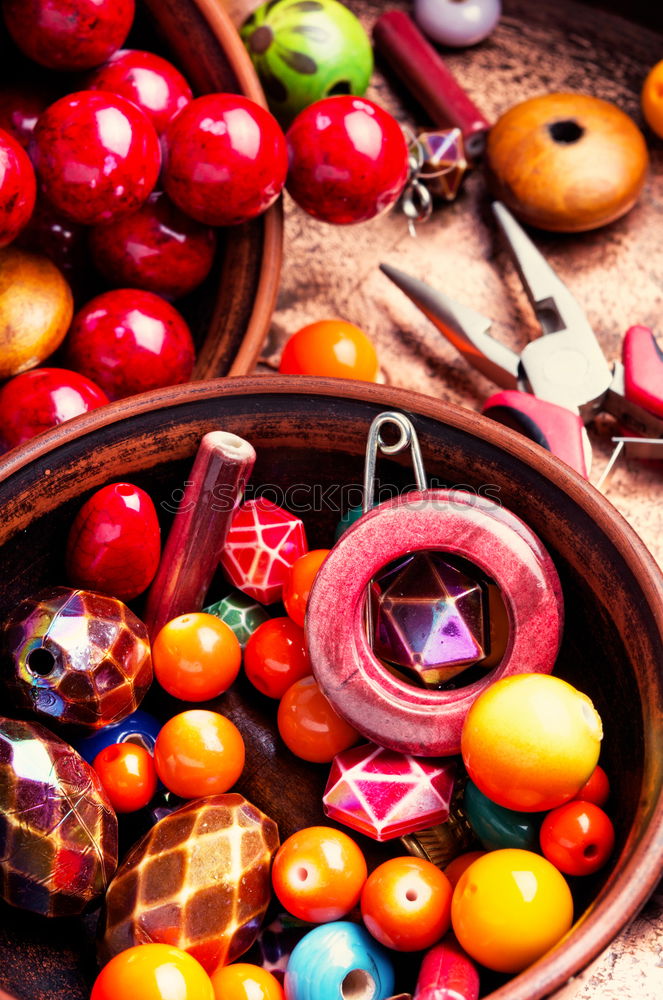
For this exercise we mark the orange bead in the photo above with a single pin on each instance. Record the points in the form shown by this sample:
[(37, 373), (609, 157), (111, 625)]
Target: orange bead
[(276, 656), (199, 753), (128, 775), (298, 582), (196, 657), (596, 789), (455, 868), (406, 904), (243, 981), (318, 874), (652, 99), (153, 972), (309, 726), (330, 347)]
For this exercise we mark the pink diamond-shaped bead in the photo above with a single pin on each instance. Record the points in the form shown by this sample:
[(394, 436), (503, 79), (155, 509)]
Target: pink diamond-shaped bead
[(262, 544), (385, 794)]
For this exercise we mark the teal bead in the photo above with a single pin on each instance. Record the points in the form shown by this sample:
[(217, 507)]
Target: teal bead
[(336, 960), (240, 613), (348, 520), (497, 827)]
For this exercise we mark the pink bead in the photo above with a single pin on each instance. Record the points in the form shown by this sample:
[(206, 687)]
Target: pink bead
[(447, 973), (148, 80), (384, 794), (97, 156), (18, 188), (263, 543), (381, 706), (68, 34), (225, 159), (129, 341), (158, 248)]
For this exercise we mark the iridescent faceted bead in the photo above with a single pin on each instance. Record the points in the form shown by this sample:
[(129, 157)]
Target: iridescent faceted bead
[(262, 544), (198, 880), (445, 163), (429, 617), (76, 657), (385, 794), (240, 613), (58, 832)]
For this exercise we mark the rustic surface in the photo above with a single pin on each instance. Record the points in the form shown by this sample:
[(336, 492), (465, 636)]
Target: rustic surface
[(616, 272)]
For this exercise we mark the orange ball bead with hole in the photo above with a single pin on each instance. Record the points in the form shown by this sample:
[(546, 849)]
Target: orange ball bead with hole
[(406, 904), (153, 972), (199, 753), (298, 582), (309, 725), (196, 657), (330, 347), (566, 162), (318, 874), (275, 656), (128, 775), (652, 99), (242, 981), (36, 306)]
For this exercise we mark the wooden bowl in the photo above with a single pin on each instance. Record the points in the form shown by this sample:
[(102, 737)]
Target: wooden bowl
[(313, 432)]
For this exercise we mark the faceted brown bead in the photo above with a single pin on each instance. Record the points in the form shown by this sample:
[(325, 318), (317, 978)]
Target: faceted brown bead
[(58, 832), (76, 657), (199, 880)]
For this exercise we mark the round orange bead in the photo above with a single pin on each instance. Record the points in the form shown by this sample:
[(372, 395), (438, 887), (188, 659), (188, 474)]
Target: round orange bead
[(128, 775), (652, 99), (196, 657), (243, 981), (275, 656), (199, 753), (455, 868), (406, 904), (330, 347), (298, 583), (309, 726), (153, 972), (318, 874)]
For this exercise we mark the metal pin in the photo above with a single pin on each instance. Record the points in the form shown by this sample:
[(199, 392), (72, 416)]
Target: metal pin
[(407, 439), (637, 447)]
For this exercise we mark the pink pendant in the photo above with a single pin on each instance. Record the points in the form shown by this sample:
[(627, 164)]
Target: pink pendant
[(263, 542), (385, 709), (384, 794)]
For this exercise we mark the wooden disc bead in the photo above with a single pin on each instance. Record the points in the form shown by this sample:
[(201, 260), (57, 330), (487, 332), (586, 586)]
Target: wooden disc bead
[(566, 162)]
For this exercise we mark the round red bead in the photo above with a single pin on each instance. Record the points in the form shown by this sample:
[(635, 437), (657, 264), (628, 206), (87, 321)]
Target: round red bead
[(42, 398), (20, 107), (17, 188), (148, 80), (62, 241), (348, 160), (97, 156), (129, 341), (114, 544), (225, 159), (68, 34), (158, 248)]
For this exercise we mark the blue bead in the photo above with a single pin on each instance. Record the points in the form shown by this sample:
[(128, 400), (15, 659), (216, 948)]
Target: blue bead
[(348, 520), (337, 959), (139, 727), (497, 827)]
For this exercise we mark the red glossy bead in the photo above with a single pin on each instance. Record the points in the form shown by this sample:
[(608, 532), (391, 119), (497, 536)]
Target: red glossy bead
[(276, 656), (578, 838), (18, 188), (225, 159), (114, 543), (148, 80), (596, 789), (158, 248), (97, 156), (44, 397), (348, 160), (20, 107), (68, 34), (129, 341), (62, 241)]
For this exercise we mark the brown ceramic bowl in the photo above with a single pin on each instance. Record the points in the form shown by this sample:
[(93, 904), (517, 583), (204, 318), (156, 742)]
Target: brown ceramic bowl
[(313, 432)]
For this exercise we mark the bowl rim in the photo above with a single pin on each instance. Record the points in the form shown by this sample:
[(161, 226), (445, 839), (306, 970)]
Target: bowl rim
[(607, 917)]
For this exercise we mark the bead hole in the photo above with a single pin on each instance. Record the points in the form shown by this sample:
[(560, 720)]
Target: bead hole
[(40, 661), (411, 895), (342, 87), (566, 132), (590, 851), (302, 874), (358, 985)]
